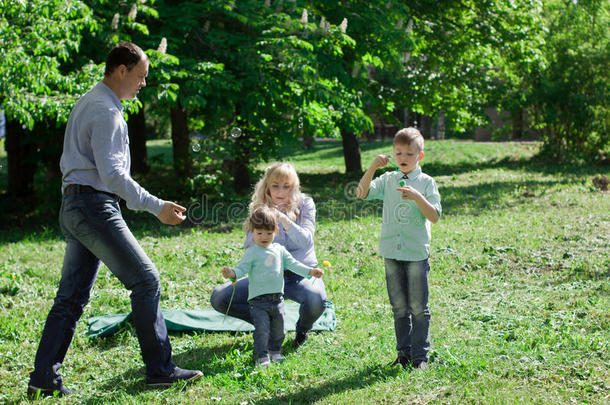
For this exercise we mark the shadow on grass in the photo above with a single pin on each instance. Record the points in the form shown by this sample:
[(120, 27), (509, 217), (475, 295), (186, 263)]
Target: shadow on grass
[(132, 381), (359, 379), (334, 197)]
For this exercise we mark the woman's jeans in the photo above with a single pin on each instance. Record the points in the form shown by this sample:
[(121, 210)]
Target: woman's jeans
[(311, 296), (267, 312), (95, 231), (407, 284)]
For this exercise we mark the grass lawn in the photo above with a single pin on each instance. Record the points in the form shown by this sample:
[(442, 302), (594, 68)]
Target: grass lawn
[(519, 294)]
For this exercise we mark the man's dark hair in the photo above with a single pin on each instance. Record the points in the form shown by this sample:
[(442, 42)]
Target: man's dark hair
[(124, 53)]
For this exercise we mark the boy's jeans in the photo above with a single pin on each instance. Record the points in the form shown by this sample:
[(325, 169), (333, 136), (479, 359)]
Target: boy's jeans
[(407, 284), (267, 312), (95, 230)]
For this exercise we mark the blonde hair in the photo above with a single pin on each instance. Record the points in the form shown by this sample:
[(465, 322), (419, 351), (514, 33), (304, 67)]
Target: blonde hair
[(409, 136), (262, 197)]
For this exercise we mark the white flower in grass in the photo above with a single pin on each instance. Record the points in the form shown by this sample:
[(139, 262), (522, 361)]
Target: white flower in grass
[(162, 46), (115, 21), (133, 12)]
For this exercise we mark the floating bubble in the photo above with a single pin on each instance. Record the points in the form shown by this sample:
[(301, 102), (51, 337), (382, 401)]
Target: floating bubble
[(236, 132), (300, 119), (301, 125), (196, 147), (260, 142)]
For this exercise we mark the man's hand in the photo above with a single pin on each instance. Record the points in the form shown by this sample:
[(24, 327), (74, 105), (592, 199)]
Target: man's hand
[(171, 213), (228, 273), (317, 273)]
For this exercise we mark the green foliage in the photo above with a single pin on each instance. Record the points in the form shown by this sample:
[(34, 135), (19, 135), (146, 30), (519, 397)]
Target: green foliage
[(559, 75), (37, 39)]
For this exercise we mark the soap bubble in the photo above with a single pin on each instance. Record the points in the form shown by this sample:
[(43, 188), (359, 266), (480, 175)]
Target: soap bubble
[(196, 147), (236, 132)]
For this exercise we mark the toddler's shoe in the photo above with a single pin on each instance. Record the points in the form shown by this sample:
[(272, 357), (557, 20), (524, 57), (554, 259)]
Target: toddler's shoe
[(263, 362), (420, 365), (299, 339), (277, 357)]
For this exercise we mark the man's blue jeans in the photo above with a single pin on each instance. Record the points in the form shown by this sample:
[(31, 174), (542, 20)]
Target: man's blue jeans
[(267, 312), (311, 296), (95, 231), (407, 284)]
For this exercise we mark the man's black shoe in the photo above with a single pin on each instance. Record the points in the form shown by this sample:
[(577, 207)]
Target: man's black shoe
[(299, 339), (177, 375), (403, 361), (37, 392)]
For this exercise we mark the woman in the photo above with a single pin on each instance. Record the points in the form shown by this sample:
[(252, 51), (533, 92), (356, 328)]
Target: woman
[(279, 189)]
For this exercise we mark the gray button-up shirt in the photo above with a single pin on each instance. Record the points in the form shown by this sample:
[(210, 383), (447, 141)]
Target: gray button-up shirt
[(96, 150)]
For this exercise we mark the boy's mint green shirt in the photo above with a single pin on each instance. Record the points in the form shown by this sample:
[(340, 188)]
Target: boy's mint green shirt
[(265, 269), (405, 231)]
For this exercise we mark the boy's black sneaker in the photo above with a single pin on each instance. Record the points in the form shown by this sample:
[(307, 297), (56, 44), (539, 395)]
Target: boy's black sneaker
[(37, 392), (299, 339), (178, 374), (403, 361)]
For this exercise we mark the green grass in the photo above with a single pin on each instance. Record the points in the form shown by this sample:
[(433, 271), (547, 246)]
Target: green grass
[(519, 294)]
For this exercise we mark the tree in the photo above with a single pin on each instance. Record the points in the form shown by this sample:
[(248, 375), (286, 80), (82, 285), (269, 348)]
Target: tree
[(35, 87)]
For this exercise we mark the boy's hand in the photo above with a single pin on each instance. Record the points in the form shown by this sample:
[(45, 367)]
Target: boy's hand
[(409, 193), (317, 273), (380, 161), (228, 273)]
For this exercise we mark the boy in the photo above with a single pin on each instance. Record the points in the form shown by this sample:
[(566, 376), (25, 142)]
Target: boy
[(264, 262), (410, 203)]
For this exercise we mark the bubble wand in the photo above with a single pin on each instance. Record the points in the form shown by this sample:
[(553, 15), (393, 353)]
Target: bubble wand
[(401, 182)]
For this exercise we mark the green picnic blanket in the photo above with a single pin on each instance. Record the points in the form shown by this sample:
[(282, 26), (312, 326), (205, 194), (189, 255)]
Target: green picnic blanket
[(181, 320)]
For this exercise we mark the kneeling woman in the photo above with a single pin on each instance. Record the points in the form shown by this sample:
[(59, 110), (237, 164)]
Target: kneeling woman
[(279, 189)]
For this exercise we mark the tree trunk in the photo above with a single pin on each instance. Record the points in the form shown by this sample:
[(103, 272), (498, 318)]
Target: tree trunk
[(308, 141), (183, 164), (517, 116), (351, 152), (426, 126), (137, 142), (21, 161)]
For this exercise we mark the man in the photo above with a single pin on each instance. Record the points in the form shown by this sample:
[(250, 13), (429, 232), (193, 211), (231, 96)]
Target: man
[(95, 167)]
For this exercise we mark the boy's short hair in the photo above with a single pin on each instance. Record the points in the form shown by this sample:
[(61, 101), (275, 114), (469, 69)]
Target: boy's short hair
[(124, 53), (263, 218), (409, 136)]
